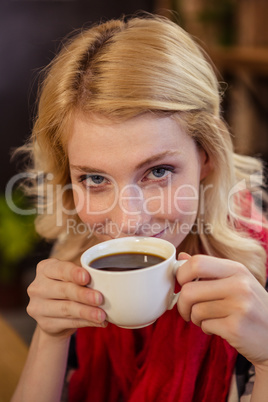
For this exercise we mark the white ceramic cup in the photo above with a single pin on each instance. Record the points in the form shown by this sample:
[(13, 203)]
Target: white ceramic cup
[(135, 298)]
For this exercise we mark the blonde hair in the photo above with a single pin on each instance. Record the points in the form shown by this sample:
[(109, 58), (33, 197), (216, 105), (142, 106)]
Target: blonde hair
[(120, 69)]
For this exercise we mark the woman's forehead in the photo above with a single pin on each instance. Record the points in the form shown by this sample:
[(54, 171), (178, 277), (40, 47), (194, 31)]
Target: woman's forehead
[(140, 129), (136, 142)]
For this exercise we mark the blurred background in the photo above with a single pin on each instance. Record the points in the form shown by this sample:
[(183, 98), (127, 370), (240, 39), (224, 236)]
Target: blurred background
[(233, 32)]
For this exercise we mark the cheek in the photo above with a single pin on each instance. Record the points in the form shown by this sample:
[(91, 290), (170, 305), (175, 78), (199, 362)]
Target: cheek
[(88, 210), (93, 207), (156, 201), (174, 201), (184, 201), (79, 201)]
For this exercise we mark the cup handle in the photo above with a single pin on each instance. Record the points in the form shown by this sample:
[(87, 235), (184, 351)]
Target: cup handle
[(175, 296)]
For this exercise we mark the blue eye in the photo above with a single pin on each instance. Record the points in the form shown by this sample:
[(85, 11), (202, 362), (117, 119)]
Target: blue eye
[(93, 180), (159, 172), (96, 179)]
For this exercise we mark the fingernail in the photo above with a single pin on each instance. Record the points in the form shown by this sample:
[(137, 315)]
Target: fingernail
[(101, 315), (98, 298), (183, 254), (83, 276)]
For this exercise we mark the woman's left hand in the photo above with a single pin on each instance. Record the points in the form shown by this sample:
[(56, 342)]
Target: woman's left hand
[(227, 301)]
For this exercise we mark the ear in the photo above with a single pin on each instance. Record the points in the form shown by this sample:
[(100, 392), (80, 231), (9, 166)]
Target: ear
[(205, 164)]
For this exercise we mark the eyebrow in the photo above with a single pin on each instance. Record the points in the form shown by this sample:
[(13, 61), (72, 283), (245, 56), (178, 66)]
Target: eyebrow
[(156, 158), (146, 162)]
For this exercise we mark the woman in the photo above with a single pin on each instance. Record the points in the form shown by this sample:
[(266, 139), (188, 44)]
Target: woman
[(129, 140)]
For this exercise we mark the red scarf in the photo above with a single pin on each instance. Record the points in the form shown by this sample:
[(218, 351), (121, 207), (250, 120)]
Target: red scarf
[(168, 361)]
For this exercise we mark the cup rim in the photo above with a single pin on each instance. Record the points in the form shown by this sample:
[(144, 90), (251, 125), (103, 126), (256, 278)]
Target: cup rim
[(85, 261)]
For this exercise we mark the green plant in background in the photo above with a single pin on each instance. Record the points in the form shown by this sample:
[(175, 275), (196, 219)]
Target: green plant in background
[(17, 237)]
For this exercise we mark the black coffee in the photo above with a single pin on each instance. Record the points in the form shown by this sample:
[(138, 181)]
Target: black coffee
[(126, 261)]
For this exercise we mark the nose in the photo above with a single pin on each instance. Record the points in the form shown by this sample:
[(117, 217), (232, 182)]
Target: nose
[(128, 216)]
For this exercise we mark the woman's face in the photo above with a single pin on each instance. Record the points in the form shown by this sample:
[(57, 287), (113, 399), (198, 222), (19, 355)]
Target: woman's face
[(140, 177)]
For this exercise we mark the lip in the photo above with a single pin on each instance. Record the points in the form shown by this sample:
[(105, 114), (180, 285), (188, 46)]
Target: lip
[(159, 234)]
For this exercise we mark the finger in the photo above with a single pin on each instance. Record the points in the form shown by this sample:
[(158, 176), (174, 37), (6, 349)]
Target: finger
[(66, 309), (64, 271), (208, 267), (209, 310), (66, 291), (216, 327), (184, 256), (193, 293), (65, 325), (69, 309), (226, 296)]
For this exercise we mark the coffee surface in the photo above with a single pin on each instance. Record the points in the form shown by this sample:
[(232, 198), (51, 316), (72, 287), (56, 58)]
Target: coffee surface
[(126, 261)]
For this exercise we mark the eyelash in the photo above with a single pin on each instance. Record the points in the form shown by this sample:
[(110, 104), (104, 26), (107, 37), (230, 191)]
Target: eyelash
[(167, 170), (94, 186)]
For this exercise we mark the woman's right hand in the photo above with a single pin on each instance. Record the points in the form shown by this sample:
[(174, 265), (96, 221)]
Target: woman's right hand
[(60, 302)]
